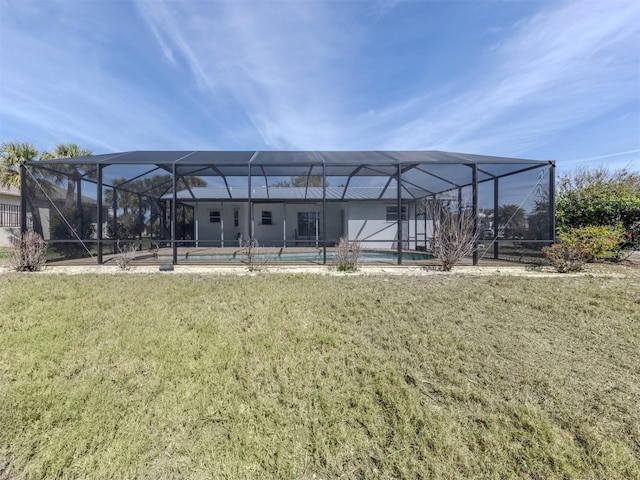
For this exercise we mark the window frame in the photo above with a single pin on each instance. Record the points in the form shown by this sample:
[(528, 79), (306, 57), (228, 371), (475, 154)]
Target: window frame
[(212, 216), (392, 213), (267, 217), (307, 220)]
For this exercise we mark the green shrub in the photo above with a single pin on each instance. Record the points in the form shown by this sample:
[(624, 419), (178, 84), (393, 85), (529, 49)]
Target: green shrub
[(599, 242), (566, 258), (597, 196)]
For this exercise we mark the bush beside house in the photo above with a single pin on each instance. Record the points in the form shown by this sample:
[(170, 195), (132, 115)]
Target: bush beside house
[(598, 217)]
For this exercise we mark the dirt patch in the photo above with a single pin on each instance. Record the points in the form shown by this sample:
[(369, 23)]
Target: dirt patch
[(627, 268)]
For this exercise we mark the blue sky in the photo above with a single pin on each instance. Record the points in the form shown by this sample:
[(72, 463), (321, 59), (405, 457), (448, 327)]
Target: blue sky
[(544, 80)]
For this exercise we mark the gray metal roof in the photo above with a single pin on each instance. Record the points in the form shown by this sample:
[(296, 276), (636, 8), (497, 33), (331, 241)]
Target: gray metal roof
[(292, 193), (288, 158), (427, 171)]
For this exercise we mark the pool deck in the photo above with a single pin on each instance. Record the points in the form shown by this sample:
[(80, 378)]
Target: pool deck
[(627, 268), (268, 255)]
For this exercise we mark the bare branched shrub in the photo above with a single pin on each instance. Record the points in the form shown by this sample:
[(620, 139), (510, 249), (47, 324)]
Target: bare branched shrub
[(29, 254), (253, 256), (566, 258), (455, 230), (125, 255), (347, 256)]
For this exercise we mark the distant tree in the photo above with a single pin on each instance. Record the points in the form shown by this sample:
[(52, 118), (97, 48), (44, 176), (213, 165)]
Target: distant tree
[(599, 197), (131, 204), (12, 155), (71, 221), (538, 220), (512, 219), (301, 181), (307, 181), (70, 173), (136, 197), (281, 184)]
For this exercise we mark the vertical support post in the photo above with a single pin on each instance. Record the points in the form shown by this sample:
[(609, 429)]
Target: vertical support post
[(174, 215), (552, 201), (221, 225), (196, 225), (184, 222), (163, 220), (324, 214), (114, 206), (99, 213), (415, 224), (496, 207), (399, 204), (151, 202), (250, 206), (140, 217), (284, 224), (79, 219), (23, 199), (475, 209)]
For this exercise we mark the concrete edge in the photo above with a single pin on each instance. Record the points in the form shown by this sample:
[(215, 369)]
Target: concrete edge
[(217, 270)]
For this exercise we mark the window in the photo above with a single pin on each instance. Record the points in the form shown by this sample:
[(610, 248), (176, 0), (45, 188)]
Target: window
[(308, 224), (9, 215), (236, 218), (266, 217), (392, 213), (214, 216)]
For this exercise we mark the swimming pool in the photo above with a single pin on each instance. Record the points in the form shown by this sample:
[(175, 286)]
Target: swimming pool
[(296, 257)]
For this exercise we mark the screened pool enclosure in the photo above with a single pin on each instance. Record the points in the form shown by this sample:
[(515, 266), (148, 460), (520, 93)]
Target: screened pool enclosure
[(207, 206)]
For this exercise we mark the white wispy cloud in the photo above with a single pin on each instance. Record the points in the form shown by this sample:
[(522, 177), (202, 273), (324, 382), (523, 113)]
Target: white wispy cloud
[(66, 90), (629, 159), (292, 69), (280, 64), (300, 75), (562, 67)]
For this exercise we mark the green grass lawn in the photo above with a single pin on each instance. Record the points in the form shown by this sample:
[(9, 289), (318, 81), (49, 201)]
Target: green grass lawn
[(294, 376)]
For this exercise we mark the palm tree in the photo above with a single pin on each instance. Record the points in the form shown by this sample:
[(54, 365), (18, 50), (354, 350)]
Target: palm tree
[(68, 172), (138, 197), (73, 207), (128, 225), (513, 219), (12, 155)]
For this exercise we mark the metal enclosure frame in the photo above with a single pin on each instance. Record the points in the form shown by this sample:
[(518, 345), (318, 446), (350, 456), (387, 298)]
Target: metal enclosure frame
[(416, 175)]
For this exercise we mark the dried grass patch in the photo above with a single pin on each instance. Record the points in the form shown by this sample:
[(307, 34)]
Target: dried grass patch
[(291, 376)]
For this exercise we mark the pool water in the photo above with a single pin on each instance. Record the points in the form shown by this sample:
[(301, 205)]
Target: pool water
[(367, 256)]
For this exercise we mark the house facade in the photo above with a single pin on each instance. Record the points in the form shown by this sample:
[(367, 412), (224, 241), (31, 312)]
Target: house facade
[(9, 215), (284, 218)]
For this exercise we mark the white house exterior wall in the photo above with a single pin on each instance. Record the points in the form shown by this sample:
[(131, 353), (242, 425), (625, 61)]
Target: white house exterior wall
[(9, 196), (368, 223), (283, 228), (223, 233)]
